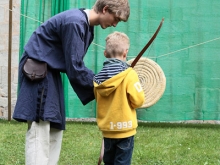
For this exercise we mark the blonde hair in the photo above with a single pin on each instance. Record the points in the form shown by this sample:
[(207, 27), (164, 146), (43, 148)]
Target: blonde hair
[(120, 8), (116, 44)]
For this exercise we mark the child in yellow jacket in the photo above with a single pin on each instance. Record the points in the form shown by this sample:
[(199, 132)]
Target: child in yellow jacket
[(118, 93)]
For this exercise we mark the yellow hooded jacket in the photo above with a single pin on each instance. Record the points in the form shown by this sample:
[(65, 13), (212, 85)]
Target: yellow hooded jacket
[(117, 98)]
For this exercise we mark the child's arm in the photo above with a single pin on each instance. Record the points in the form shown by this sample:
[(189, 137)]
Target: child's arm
[(135, 91)]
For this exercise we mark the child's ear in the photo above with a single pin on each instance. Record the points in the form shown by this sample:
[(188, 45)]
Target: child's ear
[(105, 54), (125, 53)]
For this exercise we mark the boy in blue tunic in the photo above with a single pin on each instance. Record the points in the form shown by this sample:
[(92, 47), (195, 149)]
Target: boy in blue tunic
[(61, 42)]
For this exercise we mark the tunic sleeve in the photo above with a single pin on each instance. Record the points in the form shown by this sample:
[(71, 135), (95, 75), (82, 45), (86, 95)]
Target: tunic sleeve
[(75, 44)]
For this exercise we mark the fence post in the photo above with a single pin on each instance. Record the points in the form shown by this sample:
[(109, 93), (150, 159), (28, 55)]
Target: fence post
[(9, 58)]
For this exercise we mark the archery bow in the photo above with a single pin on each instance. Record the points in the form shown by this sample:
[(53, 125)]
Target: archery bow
[(147, 45), (132, 65)]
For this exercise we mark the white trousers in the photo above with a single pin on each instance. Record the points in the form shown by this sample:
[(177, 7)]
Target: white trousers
[(43, 144)]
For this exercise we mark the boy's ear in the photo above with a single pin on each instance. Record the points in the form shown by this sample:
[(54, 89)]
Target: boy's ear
[(126, 52), (105, 54), (105, 9), (124, 55)]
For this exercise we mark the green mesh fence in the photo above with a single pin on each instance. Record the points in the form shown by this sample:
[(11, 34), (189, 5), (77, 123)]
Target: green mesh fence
[(187, 49)]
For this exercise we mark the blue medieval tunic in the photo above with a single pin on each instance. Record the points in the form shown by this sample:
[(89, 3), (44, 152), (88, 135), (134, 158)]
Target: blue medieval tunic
[(61, 42)]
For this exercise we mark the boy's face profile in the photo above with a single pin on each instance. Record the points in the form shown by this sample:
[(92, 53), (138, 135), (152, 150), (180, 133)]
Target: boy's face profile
[(108, 19)]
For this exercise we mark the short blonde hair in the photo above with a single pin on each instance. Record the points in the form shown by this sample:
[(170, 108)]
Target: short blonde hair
[(120, 8), (116, 44)]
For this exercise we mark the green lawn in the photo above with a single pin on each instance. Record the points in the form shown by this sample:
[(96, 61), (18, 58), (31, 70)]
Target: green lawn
[(155, 144)]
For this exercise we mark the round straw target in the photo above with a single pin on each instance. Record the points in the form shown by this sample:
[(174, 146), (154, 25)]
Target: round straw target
[(152, 79)]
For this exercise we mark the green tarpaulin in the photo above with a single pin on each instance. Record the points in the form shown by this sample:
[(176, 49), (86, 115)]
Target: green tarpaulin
[(187, 49)]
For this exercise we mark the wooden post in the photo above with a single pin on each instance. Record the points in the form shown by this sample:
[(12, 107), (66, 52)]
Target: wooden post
[(9, 58)]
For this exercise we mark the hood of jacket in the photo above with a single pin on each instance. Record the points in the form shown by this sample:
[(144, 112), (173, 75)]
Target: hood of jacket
[(109, 86)]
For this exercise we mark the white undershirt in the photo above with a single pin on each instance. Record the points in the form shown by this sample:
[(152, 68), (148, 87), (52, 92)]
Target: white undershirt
[(87, 13)]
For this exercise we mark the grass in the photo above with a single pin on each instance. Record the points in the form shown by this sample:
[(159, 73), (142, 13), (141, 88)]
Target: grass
[(155, 144)]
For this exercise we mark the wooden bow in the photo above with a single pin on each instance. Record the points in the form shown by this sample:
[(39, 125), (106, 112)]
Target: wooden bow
[(101, 153), (147, 45), (132, 65)]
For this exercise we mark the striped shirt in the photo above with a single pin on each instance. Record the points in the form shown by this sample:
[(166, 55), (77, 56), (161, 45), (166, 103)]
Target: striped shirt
[(111, 67)]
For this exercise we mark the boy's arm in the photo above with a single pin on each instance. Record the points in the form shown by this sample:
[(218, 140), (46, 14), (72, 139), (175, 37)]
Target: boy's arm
[(135, 91)]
